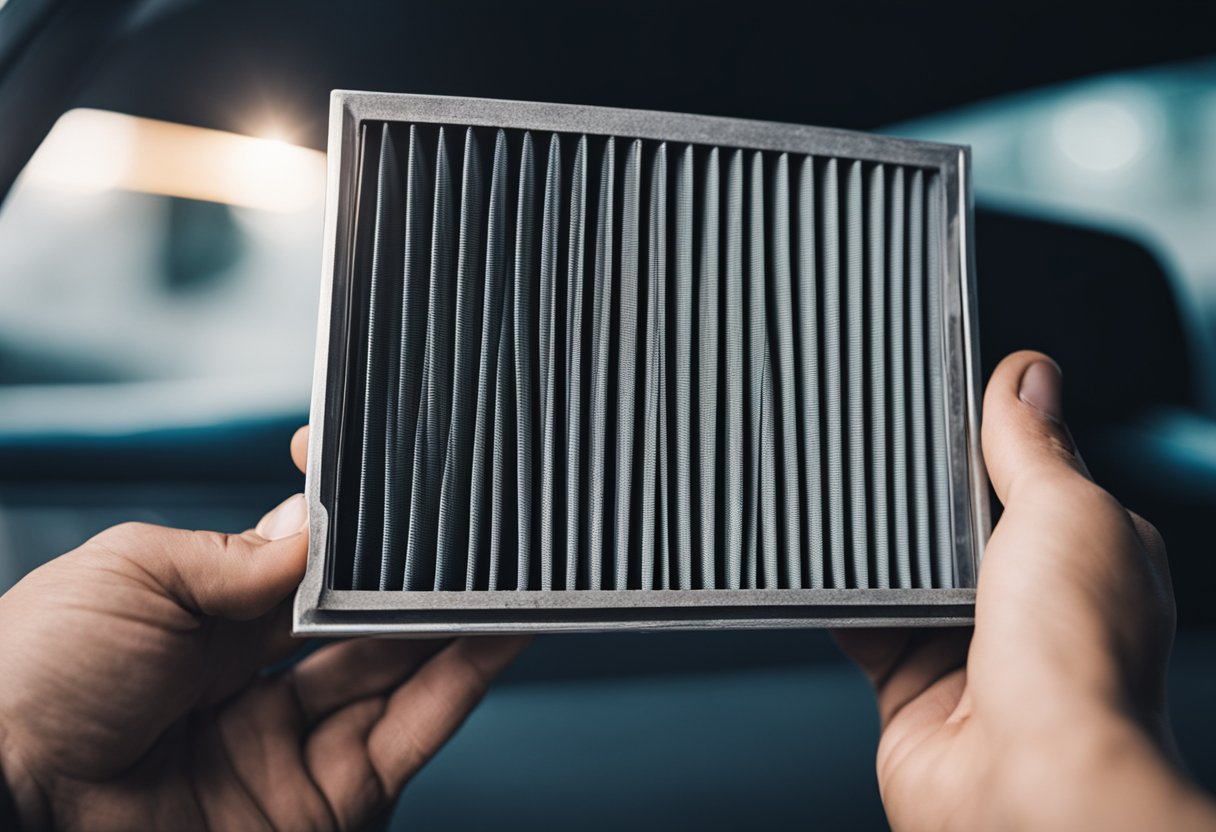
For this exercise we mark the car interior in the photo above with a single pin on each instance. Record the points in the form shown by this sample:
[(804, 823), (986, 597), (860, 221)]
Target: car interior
[(158, 314)]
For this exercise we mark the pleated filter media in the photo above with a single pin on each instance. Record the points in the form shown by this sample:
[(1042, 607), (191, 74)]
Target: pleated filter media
[(582, 368)]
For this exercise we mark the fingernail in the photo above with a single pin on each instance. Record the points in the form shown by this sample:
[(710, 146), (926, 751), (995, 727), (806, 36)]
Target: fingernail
[(286, 519), (1042, 388)]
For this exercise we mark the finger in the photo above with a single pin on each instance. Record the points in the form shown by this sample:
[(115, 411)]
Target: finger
[(299, 448), (336, 758), (425, 711), (903, 664), (232, 576), (339, 674), (1026, 442), (874, 651), (259, 733)]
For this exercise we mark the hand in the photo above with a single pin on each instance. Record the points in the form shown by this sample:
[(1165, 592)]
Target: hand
[(1052, 715), (131, 695)]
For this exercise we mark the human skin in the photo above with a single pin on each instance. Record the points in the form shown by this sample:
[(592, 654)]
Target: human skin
[(133, 694), (1051, 714)]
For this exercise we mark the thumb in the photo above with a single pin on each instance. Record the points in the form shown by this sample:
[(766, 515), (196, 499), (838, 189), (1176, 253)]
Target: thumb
[(1026, 442), (235, 576)]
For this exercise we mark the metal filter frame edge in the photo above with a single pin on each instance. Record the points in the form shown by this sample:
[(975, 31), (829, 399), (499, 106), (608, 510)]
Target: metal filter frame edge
[(321, 611)]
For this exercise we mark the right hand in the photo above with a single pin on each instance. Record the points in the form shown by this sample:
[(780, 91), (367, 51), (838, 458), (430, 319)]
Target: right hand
[(1052, 714)]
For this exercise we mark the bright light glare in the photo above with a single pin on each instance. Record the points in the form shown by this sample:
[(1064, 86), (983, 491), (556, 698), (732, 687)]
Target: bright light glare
[(1101, 136), (93, 150)]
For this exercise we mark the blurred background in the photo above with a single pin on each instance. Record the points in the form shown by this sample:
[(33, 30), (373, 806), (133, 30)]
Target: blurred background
[(160, 262)]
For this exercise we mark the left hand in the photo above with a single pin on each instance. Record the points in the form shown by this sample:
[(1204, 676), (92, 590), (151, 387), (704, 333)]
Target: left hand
[(131, 694)]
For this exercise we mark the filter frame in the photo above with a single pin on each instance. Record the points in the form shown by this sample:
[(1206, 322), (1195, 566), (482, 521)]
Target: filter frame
[(321, 610)]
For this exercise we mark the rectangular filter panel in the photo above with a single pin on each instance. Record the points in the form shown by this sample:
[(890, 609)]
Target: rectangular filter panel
[(583, 368)]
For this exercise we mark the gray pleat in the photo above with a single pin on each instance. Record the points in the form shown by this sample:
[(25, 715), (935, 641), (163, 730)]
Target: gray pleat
[(549, 268), (832, 373), (483, 469), (574, 367), (757, 340), (436, 401), (452, 547), (502, 541), (664, 525), (785, 392), (416, 279), (377, 375), (754, 281), (859, 544), (808, 316), (768, 476), (916, 378), (525, 417), (627, 357), (600, 355), (899, 392), (707, 370), (876, 254), (683, 370), (734, 470), (942, 534), (655, 278)]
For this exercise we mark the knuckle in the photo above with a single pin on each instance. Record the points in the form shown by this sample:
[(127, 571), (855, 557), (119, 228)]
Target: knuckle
[(131, 529)]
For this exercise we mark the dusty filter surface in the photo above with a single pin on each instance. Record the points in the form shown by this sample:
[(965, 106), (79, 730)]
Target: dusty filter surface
[(568, 358)]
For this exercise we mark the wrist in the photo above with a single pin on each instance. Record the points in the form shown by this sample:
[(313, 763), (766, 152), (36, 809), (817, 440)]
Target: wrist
[(1102, 773)]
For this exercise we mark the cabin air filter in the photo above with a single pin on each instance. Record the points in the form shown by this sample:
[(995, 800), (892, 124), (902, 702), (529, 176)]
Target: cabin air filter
[(587, 369)]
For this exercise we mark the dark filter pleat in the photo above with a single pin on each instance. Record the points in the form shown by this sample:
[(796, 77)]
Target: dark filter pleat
[(436, 401), (524, 347), (482, 485), (876, 267), (627, 366), (754, 340), (916, 380), (708, 288), (808, 288), (550, 253), (382, 283), (601, 463), (762, 571), (651, 460), (901, 468), (859, 545), (412, 318), (575, 482), (735, 304), (682, 507), (452, 544), (833, 382), (786, 419), (943, 560)]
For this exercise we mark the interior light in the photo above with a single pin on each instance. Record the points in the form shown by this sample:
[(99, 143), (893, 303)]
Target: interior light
[(93, 150), (1101, 136)]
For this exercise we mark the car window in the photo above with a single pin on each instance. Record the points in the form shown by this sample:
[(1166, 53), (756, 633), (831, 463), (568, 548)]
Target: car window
[(157, 274), (1134, 151)]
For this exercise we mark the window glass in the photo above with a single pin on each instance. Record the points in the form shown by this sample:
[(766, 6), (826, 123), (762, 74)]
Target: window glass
[(157, 274)]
